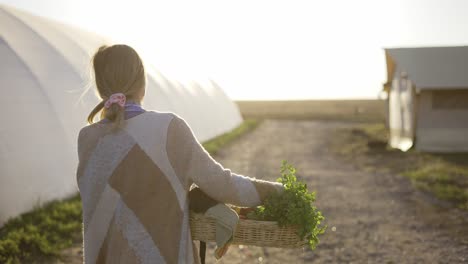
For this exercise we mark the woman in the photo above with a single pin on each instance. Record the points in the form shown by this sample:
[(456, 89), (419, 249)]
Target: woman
[(136, 168)]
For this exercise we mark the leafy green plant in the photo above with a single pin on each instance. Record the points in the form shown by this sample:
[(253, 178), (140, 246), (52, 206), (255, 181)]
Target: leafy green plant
[(293, 207)]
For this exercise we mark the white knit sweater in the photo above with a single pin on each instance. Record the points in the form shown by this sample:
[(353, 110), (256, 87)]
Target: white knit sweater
[(134, 184)]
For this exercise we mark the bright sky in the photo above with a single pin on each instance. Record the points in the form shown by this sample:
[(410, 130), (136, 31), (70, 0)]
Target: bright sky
[(269, 49)]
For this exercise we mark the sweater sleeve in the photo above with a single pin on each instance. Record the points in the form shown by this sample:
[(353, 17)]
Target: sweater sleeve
[(192, 162)]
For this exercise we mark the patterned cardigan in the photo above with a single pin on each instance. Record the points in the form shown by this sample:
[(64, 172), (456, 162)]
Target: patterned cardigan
[(134, 185)]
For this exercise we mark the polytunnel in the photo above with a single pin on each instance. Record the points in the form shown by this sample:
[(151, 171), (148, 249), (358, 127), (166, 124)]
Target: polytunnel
[(44, 69)]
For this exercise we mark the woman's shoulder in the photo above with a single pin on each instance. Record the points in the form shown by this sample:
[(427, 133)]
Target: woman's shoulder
[(148, 120), (160, 114), (161, 117), (152, 117), (87, 133), (88, 129)]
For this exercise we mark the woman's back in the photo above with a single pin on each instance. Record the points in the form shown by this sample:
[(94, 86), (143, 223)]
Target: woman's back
[(136, 168), (128, 186), (134, 184)]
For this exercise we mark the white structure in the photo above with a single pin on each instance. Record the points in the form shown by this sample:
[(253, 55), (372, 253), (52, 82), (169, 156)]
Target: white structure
[(44, 69), (428, 98)]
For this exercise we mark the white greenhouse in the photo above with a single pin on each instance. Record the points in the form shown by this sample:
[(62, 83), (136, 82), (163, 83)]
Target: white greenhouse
[(44, 69)]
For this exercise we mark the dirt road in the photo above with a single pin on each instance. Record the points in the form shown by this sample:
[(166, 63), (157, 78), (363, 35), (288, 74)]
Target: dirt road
[(371, 218)]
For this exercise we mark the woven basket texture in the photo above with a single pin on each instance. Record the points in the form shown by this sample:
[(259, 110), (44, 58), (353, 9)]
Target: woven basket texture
[(248, 232)]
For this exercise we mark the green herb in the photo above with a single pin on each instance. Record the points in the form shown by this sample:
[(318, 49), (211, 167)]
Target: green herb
[(293, 207)]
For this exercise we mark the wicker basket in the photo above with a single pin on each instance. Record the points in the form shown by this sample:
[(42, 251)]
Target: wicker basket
[(248, 232)]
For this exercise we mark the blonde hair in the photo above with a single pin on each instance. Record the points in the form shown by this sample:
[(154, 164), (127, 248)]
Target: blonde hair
[(117, 69)]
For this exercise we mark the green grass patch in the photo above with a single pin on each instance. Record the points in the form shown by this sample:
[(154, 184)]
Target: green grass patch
[(360, 139), (214, 145), (42, 234), (446, 181), (443, 175)]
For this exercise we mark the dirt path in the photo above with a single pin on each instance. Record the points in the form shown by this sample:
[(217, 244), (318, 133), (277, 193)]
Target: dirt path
[(376, 218)]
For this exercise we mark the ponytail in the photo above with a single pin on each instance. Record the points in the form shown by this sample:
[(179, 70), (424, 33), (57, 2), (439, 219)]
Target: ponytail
[(93, 113), (117, 70), (116, 114)]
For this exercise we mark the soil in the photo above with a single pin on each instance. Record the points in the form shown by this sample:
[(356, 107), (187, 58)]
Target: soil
[(372, 217)]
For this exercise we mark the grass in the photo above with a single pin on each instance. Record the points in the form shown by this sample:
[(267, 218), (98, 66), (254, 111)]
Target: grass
[(334, 110), (444, 180), (41, 234), (443, 175), (212, 146)]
